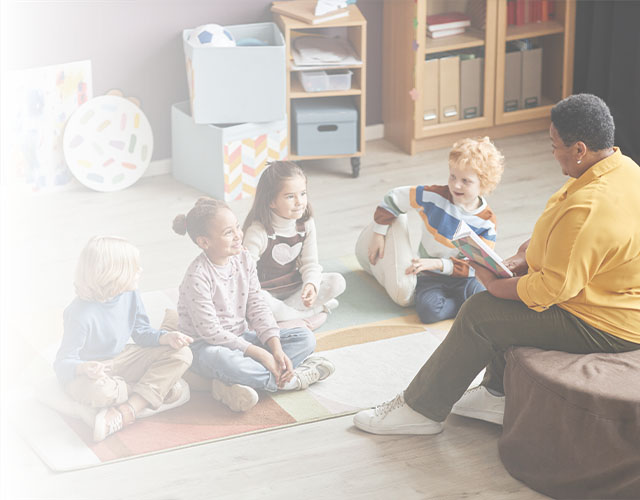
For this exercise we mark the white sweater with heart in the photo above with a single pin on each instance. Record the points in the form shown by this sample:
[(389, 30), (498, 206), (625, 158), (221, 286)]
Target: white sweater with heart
[(256, 241)]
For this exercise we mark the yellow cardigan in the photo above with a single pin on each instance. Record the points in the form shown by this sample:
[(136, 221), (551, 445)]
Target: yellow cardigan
[(584, 253)]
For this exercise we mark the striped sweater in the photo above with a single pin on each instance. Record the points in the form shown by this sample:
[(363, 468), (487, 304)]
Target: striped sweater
[(440, 218)]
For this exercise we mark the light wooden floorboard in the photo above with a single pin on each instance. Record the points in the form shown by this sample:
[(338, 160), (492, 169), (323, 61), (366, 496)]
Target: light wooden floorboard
[(326, 459)]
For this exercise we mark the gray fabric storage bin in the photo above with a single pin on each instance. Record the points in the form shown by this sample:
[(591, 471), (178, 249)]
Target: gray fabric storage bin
[(325, 126), (238, 84)]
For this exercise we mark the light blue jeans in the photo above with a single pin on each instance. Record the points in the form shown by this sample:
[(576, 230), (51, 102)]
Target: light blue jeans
[(231, 366)]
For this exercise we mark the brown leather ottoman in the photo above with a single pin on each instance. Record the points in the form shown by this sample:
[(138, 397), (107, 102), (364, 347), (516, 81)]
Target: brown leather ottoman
[(572, 422)]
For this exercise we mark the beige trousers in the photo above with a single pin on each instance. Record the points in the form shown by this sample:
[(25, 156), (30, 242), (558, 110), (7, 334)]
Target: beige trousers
[(148, 371)]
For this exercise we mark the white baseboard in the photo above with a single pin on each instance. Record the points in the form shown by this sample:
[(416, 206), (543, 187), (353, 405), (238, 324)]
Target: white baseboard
[(163, 167), (373, 132), (158, 167)]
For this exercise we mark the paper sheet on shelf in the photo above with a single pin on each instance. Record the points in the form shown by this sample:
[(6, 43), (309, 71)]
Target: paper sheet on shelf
[(323, 51)]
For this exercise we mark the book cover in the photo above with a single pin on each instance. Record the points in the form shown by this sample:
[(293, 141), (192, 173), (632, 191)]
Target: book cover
[(472, 246), (304, 10), (448, 20), (445, 33)]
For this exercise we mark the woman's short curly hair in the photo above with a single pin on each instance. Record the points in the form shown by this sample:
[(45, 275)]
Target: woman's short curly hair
[(586, 118), (482, 157)]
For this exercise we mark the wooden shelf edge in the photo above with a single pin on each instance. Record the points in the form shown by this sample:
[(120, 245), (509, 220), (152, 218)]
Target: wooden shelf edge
[(533, 30), (295, 157)]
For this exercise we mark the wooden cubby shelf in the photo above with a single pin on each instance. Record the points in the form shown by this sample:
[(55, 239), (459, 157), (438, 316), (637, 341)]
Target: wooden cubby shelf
[(406, 46)]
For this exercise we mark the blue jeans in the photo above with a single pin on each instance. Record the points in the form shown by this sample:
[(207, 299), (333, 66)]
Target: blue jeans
[(440, 297), (231, 366)]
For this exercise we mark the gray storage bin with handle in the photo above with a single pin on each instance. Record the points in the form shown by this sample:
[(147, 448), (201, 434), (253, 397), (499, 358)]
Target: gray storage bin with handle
[(325, 126)]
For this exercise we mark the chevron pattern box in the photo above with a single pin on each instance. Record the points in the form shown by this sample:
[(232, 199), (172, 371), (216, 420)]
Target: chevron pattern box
[(224, 161)]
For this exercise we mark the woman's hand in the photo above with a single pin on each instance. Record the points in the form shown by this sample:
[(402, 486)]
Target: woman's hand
[(177, 340), (94, 370), (484, 275), (418, 265), (517, 263), (309, 294), (503, 288), (376, 248)]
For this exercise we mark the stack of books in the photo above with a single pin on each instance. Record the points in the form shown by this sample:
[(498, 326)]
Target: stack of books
[(521, 12), (305, 10), (447, 24)]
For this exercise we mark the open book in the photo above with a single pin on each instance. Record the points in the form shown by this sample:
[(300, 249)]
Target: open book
[(472, 246)]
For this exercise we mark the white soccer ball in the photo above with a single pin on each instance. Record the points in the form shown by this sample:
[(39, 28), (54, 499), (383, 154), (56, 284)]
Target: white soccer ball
[(211, 35)]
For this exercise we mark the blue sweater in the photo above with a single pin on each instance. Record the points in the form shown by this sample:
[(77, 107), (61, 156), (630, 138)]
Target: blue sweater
[(95, 331)]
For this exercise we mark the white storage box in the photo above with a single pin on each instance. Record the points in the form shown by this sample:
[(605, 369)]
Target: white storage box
[(238, 84), (224, 161), (325, 80), (325, 126)]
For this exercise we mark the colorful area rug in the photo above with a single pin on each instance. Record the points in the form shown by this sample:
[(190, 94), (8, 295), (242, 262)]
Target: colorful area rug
[(377, 348), (366, 374)]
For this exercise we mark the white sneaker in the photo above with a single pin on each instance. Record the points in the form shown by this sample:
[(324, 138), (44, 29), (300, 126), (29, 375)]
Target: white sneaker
[(330, 305), (236, 397), (323, 365), (177, 396), (395, 417), (479, 403)]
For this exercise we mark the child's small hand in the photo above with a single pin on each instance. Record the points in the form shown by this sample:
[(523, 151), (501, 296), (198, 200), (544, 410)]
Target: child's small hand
[(418, 265), (177, 340), (94, 370), (309, 294), (285, 364), (376, 248)]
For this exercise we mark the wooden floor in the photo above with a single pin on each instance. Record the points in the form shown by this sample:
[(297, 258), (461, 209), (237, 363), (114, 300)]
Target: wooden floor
[(328, 459)]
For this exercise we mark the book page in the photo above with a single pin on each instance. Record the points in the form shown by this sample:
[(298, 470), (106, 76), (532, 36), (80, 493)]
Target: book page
[(472, 246)]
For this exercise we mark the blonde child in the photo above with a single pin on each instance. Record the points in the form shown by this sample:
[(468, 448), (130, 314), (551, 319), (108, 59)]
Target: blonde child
[(238, 342), (95, 364), (280, 234), (408, 247)]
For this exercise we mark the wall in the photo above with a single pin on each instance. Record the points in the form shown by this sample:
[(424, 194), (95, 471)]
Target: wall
[(136, 46)]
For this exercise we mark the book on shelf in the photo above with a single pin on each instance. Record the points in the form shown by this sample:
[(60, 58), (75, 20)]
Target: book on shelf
[(445, 33), (304, 10), (472, 247), (448, 20)]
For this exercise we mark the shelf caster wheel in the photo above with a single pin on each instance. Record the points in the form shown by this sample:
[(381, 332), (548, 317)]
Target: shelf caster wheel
[(355, 167)]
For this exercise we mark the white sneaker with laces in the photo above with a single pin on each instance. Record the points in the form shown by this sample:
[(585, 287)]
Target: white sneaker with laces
[(480, 404), (395, 417), (323, 365)]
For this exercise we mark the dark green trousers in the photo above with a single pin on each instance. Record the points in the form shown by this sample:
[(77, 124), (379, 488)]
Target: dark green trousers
[(483, 329)]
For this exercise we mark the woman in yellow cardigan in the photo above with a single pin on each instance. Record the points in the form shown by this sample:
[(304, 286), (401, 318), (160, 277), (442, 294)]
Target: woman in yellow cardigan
[(576, 284)]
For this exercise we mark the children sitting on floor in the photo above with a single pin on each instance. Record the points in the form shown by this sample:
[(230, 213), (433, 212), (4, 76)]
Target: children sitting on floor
[(238, 343), (280, 234), (408, 247), (95, 364)]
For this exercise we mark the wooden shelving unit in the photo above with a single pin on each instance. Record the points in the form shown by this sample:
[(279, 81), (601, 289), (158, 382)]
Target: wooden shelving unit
[(355, 26), (406, 45)]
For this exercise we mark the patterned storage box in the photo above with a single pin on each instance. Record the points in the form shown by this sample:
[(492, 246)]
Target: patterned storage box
[(224, 161)]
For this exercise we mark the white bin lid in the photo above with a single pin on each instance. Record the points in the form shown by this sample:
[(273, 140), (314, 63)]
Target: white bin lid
[(325, 109)]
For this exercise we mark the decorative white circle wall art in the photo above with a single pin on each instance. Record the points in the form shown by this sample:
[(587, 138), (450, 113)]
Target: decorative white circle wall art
[(108, 143)]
